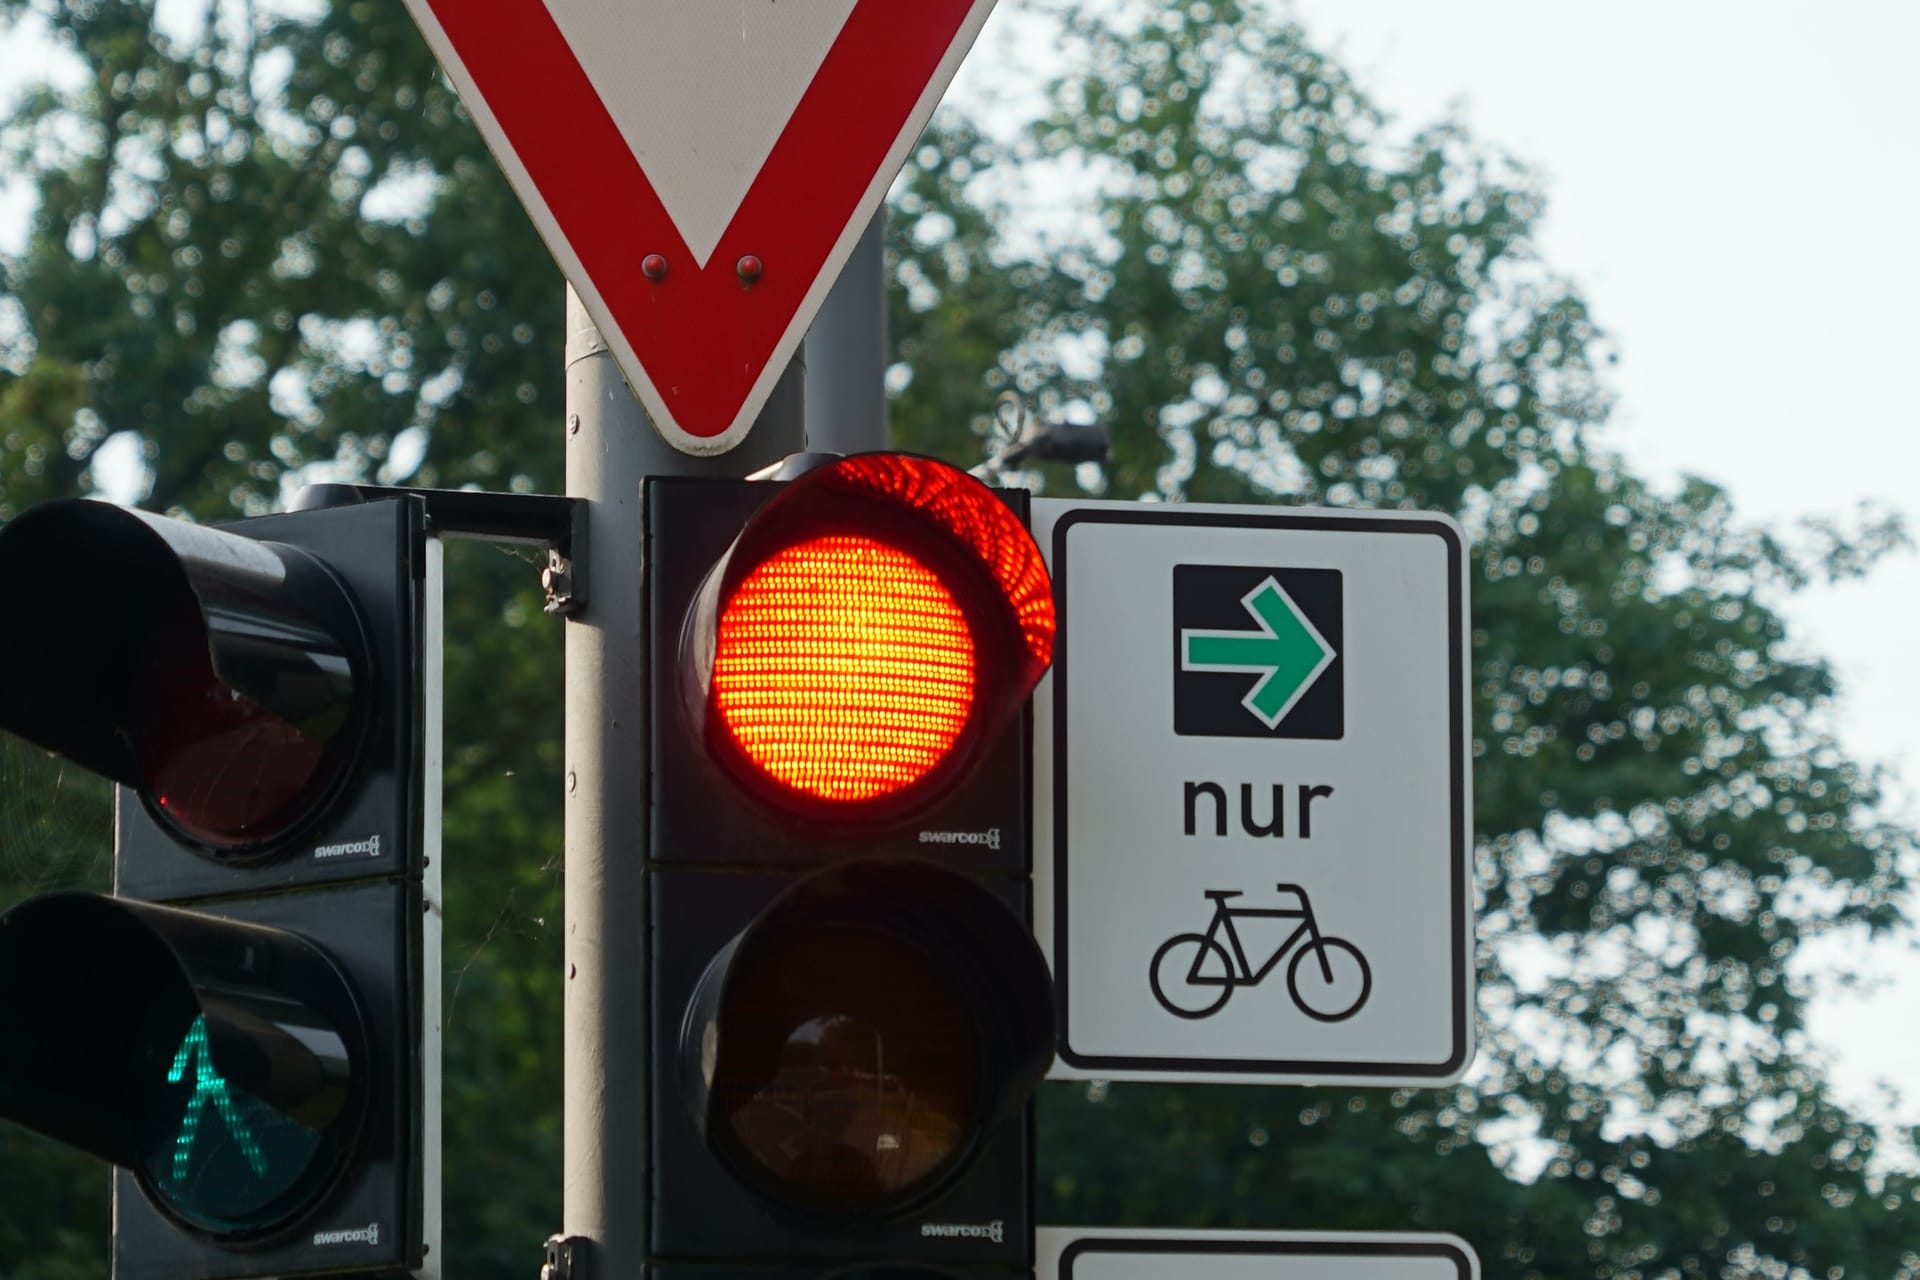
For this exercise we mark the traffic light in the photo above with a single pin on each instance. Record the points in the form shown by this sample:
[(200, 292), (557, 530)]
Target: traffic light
[(248, 1029), (849, 1012)]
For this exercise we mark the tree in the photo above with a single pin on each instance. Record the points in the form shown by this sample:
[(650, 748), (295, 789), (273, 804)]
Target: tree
[(1287, 304), (267, 248), (274, 249)]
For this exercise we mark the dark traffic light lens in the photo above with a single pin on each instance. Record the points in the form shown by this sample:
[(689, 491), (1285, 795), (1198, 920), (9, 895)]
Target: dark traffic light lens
[(850, 1081), (219, 766)]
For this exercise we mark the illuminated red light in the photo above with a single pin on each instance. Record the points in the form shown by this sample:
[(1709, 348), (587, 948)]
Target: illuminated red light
[(876, 622), (844, 668), (969, 513)]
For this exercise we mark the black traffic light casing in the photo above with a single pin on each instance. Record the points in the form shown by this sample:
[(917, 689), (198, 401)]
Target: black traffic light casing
[(729, 866), (373, 826), (331, 1015)]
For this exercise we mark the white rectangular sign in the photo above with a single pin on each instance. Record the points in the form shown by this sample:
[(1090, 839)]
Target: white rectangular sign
[(1095, 1253), (1253, 820)]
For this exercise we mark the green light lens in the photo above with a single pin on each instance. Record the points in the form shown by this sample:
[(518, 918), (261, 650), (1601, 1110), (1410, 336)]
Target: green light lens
[(221, 1158)]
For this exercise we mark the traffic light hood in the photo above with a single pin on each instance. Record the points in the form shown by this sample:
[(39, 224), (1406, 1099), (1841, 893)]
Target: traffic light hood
[(157, 644), (165, 1041), (848, 1051), (870, 627)]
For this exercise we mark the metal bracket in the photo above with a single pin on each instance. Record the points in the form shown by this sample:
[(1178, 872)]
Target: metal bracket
[(559, 1263), (794, 465), (523, 519), (1021, 438)]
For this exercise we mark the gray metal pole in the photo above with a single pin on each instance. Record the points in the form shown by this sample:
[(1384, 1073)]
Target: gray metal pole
[(611, 448), (847, 353)]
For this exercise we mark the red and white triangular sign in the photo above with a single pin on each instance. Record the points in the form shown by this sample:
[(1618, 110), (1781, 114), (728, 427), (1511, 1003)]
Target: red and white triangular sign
[(660, 144)]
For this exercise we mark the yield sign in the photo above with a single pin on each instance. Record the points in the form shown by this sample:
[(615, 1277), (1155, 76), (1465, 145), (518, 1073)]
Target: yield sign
[(701, 168)]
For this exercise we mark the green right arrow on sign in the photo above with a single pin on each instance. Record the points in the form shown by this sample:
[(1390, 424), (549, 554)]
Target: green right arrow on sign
[(1287, 651)]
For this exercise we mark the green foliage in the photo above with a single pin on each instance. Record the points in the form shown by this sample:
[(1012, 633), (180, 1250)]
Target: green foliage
[(211, 265), (277, 252), (1284, 302)]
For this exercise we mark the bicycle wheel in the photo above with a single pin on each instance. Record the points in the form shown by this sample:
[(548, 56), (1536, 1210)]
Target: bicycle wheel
[(1342, 997), (1186, 991)]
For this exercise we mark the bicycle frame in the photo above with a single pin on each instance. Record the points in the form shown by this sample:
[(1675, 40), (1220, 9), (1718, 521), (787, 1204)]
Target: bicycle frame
[(1223, 914)]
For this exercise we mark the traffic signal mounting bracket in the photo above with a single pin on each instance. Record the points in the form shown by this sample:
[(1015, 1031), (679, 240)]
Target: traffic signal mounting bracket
[(529, 519)]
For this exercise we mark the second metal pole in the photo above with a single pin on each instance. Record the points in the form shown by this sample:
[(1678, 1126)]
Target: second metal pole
[(611, 448), (847, 353)]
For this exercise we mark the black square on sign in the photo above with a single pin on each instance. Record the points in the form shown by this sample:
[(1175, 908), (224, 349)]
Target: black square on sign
[(1257, 652)]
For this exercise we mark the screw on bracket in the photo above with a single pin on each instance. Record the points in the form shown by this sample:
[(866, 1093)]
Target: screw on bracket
[(654, 266), (557, 578), (554, 524), (750, 268)]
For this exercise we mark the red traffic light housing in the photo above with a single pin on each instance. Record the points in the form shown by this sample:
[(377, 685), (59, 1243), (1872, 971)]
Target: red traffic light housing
[(850, 1014), (871, 628)]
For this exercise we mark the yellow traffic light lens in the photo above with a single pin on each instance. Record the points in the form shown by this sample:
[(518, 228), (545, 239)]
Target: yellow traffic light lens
[(844, 668), (850, 1079)]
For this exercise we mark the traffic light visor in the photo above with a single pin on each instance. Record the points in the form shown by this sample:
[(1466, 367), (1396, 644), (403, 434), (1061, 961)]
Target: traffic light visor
[(216, 1061), (222, 677), (870, 626), (847, 1052)]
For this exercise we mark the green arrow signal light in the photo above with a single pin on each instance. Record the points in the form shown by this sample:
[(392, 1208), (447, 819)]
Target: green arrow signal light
[(226, 1160), (223, 1159), (209, 1090), (1287, 652)]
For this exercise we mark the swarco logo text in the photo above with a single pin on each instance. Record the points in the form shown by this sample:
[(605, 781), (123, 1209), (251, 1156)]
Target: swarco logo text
[(990, 837), (369, 1234), (370, 846), (995, 1231)]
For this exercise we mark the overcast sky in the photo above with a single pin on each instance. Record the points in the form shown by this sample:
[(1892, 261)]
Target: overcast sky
[(1733, 186)]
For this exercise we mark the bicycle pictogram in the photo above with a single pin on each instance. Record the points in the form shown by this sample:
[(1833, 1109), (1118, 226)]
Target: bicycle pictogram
[(1194, 974)]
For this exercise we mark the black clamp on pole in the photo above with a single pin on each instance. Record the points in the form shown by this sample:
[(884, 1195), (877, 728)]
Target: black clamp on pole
[(519, 519)]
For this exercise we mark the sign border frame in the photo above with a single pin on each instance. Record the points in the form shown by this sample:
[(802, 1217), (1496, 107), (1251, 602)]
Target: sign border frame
[(1416, 1248), (1460, 838)]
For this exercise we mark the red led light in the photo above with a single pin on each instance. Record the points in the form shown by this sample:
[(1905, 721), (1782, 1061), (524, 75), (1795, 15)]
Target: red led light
[(844, 668), (978, 522)]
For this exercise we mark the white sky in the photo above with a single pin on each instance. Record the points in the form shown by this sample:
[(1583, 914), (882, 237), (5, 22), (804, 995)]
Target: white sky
[(1733, 186)]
